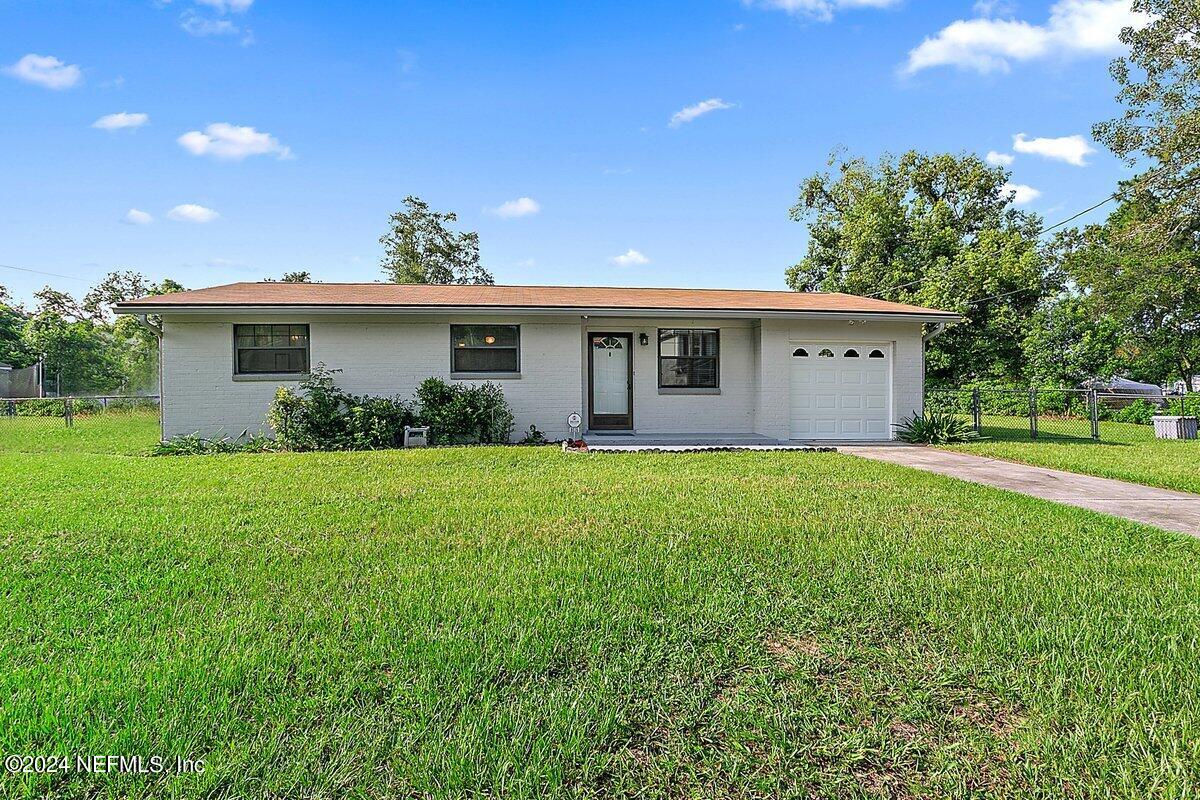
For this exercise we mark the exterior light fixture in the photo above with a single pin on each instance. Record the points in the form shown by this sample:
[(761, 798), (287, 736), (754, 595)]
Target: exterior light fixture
[(643, 339)]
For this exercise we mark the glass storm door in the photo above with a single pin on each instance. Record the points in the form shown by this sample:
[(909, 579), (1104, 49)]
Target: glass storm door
[(610, 365)]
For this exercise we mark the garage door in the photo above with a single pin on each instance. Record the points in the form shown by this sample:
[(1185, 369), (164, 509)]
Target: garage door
[(841, 391)]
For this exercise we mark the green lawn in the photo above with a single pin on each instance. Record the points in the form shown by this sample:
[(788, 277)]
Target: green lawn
[(518, 622), (1127, 452)]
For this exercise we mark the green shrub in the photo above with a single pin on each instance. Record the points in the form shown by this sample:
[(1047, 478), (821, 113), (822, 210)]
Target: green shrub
[(464, 414), (321, 416), (936, 428), (196, 445), (1138, 412), (533, 436)]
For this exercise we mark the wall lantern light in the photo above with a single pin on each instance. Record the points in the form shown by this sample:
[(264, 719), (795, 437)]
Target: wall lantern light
[(643, 339)]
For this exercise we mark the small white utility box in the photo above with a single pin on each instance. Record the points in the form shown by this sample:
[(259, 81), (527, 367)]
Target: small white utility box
[(1174, 427), (416, 437)]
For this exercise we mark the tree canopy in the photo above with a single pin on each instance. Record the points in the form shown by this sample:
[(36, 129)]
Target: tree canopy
[(935, 230), (420, 247), (1159, 82)]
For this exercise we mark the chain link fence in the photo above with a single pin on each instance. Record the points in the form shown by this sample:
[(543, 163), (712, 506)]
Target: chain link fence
[(1049, 413), (33, 412)]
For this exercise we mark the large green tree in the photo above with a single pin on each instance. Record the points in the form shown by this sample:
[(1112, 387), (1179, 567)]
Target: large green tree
[(935, 230), (13, 350), (1148, 283), (1159, 83), (420, 247)]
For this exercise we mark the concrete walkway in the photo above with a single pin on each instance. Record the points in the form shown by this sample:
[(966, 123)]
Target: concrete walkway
[(1163, 508)]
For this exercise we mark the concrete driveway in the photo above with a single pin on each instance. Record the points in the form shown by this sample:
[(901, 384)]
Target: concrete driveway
[(1163, 508)]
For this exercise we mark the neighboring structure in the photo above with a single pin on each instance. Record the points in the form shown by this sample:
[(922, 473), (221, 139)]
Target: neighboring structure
[(25, 382), (784, 365)]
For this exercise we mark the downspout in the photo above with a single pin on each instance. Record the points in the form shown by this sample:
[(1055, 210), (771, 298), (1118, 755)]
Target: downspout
[(937, 330), (144, 321)]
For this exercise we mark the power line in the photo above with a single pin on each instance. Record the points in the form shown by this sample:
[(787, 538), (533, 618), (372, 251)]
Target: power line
[(40, 272)]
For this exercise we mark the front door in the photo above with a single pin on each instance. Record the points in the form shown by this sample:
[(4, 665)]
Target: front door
[(610, 373)]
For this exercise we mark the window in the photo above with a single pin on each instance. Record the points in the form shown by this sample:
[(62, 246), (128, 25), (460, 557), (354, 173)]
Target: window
[(825, 353), (270, 349), (800, 352), (852, 353), (876, 354), (485, 348), (687, 358)]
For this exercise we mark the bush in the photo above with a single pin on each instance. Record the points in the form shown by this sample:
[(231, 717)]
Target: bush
[(458, 414), (196, 445), (936, 428), (1138, 412), (533, 436), (323, 417)]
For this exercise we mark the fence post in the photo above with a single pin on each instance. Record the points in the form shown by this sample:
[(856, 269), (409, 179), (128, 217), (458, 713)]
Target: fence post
[(68, 412), (1033, 398), (1094, 413), (976, 410)]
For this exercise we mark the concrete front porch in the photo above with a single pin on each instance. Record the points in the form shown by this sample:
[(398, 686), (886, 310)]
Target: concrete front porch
[(608, 441)]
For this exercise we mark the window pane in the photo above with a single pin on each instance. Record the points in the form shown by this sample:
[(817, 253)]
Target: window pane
[(687, 342), (260, 360), (483, 335), (486, 359), (688, 372)]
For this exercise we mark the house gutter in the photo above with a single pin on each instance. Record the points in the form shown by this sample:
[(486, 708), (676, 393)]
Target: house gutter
[(710, 313)]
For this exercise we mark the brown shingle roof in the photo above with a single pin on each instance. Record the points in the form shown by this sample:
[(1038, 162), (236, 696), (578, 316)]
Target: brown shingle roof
[(400, 296)]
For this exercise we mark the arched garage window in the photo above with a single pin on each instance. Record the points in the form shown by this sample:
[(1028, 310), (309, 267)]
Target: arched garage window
[(800, 352), (851, 353), (825, 353), (876, 354)]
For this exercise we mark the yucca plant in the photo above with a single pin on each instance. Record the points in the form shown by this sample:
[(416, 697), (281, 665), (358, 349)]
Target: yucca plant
[(936, 427)]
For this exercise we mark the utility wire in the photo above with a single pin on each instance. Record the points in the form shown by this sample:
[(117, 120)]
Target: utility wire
[(40, 272), (1045, 229)]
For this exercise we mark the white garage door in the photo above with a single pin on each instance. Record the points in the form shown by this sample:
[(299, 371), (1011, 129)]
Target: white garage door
[(841, 391)]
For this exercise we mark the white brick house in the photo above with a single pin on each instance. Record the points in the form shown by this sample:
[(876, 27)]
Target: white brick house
[(779, 365)]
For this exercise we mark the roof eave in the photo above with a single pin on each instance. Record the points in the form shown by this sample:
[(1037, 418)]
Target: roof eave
[(731, 313)]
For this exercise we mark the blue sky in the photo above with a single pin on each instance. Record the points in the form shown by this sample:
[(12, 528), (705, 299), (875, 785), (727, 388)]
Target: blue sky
[(325, 115)]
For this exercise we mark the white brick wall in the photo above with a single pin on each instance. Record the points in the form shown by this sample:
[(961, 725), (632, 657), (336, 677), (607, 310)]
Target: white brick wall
[(385, 355), (391, 354), (731, 411), (779, 337)]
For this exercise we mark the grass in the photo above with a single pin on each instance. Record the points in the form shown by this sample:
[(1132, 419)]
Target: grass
[(519, 622), (1125, 451)]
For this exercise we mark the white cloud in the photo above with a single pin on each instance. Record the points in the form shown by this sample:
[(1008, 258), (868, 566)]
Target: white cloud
[(197, 25), (120, 121), (1075, 28), (190, 212), (999, 159), (521, 207), (135, 217), (1021, 194), (223, 6), (690, 113), (1071, 149), (819, 9), (232, 143), (45, 71), (630, 258)]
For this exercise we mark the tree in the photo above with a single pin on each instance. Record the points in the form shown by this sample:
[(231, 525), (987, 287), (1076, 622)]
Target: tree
[(1069, 342), (420, 248), (1151, 284), (933, 230), (13, 350), (296, 277), (1159, 83)]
